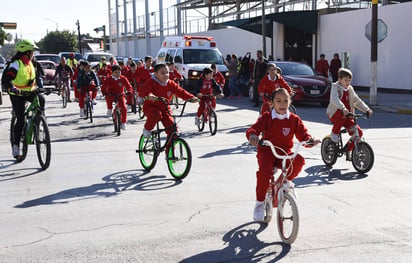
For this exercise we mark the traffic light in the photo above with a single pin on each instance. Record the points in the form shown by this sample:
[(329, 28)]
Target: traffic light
[(8, 25)]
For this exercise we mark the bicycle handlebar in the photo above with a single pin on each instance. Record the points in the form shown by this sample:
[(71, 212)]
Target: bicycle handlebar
[(285, 157), (28, 93), (167, 103), (356, 116)]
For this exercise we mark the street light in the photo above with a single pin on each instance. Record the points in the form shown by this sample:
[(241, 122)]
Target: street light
[(51, 20)]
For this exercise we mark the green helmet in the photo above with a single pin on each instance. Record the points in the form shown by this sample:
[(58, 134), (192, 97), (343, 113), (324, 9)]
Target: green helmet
[(25, 45)]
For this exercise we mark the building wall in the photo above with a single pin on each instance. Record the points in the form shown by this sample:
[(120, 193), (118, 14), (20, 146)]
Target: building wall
[(345, 32)]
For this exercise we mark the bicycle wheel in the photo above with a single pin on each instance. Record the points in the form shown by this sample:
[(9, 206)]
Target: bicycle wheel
[(90, 110), (268, 206), (288, 218), (118, 121), (64, 96), (328, 151), (114, 119), (363, 157), (147, 152), (292, 108), (141, 112), (42, 140), (23, 141), (212, 122), (179, 158), (201, 124)]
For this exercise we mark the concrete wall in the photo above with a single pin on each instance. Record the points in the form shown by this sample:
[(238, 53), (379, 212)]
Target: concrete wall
[(345, 32)]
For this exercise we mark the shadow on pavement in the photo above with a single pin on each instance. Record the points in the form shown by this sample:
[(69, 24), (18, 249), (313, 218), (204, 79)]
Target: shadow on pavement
[(7, 175), (243, 245), (240, 149), (114, 184)]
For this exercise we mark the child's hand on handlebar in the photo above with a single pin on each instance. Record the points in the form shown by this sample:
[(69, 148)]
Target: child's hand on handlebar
[(194, 99), (312, 142)]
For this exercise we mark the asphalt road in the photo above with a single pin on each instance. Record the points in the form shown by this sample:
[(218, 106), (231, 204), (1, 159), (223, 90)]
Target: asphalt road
[(96, 204)]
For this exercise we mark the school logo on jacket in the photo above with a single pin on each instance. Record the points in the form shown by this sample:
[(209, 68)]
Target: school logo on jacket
[(285, 131), (120, 84), (169, 93)]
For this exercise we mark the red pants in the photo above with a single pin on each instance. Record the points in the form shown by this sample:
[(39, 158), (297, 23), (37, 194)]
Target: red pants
[(76, 92), (82, 94), (154, 114), (266, 162), (122, 104), (202, 105), (339, 121)]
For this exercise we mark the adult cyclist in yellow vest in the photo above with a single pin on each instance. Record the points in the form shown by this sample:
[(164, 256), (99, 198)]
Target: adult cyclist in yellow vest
[(72, 61), (21, 76)]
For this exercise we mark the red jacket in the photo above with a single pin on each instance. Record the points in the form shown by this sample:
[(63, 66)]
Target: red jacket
[(219, 78), (175, 75), (267, 85), (322, 67), (279, 132), (116, 86), (143, 74), (104, 73)]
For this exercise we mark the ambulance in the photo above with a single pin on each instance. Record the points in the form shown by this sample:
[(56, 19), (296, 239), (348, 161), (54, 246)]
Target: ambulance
[(191, 54)]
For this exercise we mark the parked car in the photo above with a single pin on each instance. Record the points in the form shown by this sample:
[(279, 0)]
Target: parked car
[(77, 55), (2, 63), (52, 57), (95, 57), (307, 85), (49, 68)]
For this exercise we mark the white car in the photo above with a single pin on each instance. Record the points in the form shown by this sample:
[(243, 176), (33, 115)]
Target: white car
[(94, 57)]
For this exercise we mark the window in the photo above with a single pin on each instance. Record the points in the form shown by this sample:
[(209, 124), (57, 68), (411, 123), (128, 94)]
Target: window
[(170, 54)]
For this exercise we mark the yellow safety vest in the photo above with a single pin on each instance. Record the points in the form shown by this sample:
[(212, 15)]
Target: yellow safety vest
[(71, 64), (24, 75)]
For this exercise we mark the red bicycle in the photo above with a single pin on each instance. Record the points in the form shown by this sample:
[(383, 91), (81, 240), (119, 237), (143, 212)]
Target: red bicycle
[(208, 115)]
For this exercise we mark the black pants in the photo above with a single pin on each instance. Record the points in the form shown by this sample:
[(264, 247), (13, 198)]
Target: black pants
[(19, 103), (255, 92)]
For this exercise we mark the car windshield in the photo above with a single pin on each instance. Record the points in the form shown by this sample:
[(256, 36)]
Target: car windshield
[(96, 57), (295, 69), (202, 56), (77, 56), (1, 60), (55, 59)]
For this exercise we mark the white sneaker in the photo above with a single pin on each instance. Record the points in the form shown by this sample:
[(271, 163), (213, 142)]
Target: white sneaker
[(81, 113), (259, 212), (197, 121), (109, 112), (123, 126), (334, 137), (146, 133), (15, 150)]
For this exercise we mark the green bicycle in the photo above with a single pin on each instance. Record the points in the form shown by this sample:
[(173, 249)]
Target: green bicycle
[(35, 131)]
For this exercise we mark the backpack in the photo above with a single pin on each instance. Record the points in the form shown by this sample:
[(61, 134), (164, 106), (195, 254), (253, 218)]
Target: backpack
[(4, 83)]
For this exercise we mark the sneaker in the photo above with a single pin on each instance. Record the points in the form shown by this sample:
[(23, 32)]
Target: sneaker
[(197, 121), (94, 102), (15, 150), (81, 113), (334, 137), (146, 133), (259, 211), (109, 113), (123, 126)]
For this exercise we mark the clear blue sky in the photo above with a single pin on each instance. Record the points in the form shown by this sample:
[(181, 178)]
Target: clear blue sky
[(35, 18)]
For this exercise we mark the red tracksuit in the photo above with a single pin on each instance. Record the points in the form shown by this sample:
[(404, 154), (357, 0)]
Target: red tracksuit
[(281, 134), (115, 86), (133, 79), (267, 86), (74, 80), (155, 110), (175, 75), (102, 74), (206, 87), (220, 79), (143, 74)]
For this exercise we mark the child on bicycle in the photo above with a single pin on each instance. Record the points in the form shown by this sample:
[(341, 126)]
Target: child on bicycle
[(159, 85), (115, 86), (280, 127), (343, 99), (269, 83), (86, 81), (206, 86)]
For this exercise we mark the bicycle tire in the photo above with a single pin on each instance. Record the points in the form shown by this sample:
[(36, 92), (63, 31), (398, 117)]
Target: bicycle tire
[(114, 119), (268, 206), (201, 124), (328, 151), (23, 140), (64, 96), (118, 122), (147, 152), (141, 112), (363, 158), (90, 110), (179, 158), (212, 122), (288, 213), (42, 140)]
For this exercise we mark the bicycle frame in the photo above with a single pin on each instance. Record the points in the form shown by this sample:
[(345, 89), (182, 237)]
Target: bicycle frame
[(208, 106), (355, 138)]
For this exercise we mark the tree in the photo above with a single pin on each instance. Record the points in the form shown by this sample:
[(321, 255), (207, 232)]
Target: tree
[(2, 36), (58, 41)]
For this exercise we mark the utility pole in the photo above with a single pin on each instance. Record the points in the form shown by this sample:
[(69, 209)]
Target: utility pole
[(374, 54), (80, 39), (263, 28)]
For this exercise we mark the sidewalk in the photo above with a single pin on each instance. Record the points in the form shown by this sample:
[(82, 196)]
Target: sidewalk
[(390, 102)]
